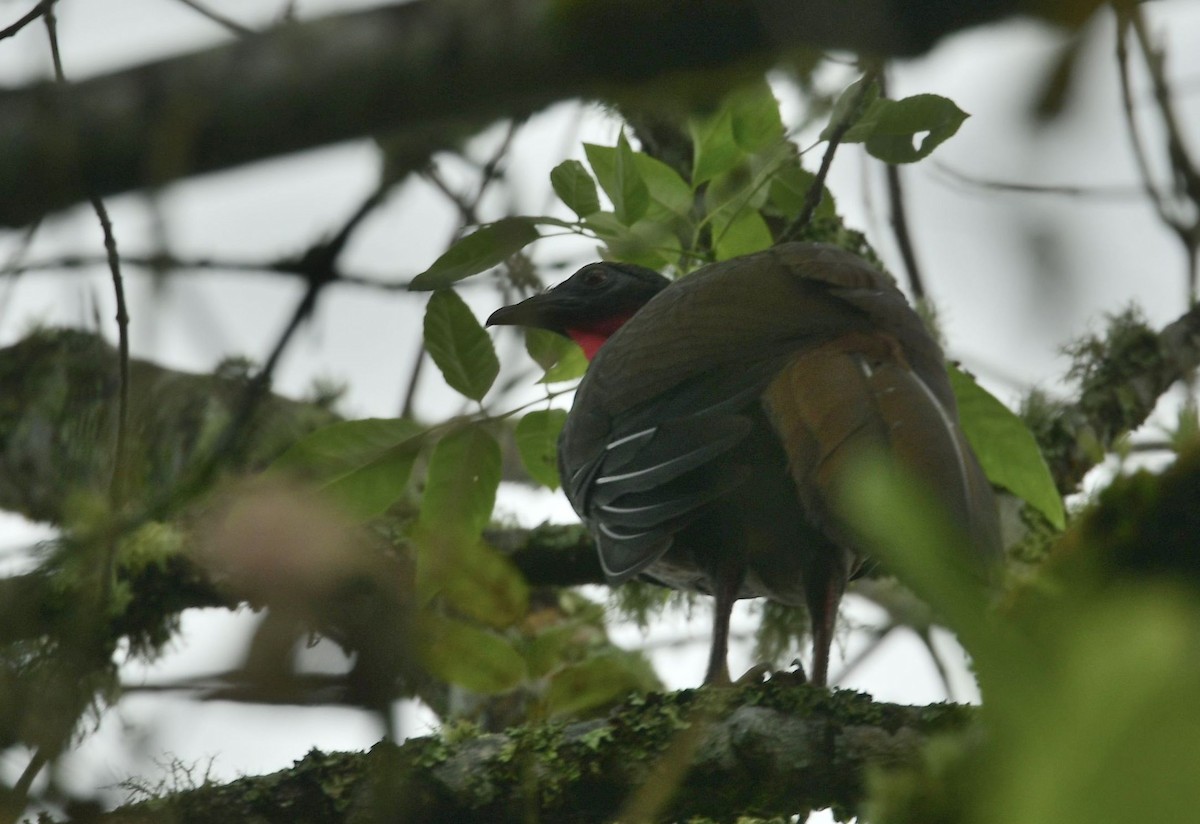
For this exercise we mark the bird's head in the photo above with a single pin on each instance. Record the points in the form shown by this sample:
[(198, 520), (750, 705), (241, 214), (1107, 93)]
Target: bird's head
[(589, 306)]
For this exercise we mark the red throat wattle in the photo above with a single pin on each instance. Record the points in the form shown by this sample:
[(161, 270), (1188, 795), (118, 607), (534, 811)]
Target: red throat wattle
[(591, 338)]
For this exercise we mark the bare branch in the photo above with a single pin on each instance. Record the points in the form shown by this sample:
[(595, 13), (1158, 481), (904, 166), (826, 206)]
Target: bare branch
[(429, 72), (218, 18), (899, 218), (33, 14), (1185, 173)]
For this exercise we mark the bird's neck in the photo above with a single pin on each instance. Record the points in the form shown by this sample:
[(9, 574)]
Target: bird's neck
[(593, 336)]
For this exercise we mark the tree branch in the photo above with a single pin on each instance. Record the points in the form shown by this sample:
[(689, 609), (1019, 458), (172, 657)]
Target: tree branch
[(428, 73), (806, 749), (1121, 380)]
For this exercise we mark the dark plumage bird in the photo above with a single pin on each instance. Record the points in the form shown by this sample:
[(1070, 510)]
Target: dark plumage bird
[(719, 413)]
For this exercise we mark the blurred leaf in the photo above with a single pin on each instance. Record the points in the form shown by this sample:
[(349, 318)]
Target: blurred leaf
[(737, 189), (547, 651), (479, 251), (754, 117), (459, 346), (460, 489), (474, 658), (1006, 448), (575, 187), (460, 492), (1119, 701), (789, 187), (481, 583), (715, 148), (888, 128), (907, 530), (746, 233), (537, 442), (597, 681), (362, 465)]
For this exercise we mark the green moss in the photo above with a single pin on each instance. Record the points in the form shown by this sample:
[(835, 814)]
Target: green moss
[(1144, 525)]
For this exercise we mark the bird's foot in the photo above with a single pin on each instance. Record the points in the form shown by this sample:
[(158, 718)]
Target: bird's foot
[(755, 675), (762, 672)]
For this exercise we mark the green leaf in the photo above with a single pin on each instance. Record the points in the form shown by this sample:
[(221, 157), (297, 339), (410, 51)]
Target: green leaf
[(789, 188), (560, 357), (669, 193), (667, 189), (460, 488), (545, 347), (746, 233), (618, 171), (459, 346), (575, 187), (1005, 447), (537, 443), (479, 251), (647, 242), (597, 681), (363, 465), (889, 127), (466, 655), (630, 195), (714, 146), (754, 117), (569, 367), (843, 109)]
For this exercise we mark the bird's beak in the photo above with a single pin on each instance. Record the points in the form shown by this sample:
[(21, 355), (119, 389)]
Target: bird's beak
[(529, 312)]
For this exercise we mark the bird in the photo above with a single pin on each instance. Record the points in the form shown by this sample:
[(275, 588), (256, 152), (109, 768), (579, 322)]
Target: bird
[(720, 413)]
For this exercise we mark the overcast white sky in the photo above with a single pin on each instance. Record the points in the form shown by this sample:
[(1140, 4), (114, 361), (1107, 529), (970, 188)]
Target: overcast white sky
[(1006, 310)]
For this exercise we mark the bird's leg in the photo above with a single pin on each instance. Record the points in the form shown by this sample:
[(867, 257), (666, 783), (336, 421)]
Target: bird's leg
[(724, 594), (823, 615)]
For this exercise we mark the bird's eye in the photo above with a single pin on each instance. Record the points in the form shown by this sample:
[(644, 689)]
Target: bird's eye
[(594, 277)]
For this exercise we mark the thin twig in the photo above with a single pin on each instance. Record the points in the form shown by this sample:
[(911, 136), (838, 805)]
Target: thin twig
[(1186, 176), (118, 484), (1185, 172), (812, 198), (159, 261), (1115, 191), (18, 254), (466, 210), (899, 218), (414, 378), (33, 14), (21, 789), (1140, 154), (218, 18)]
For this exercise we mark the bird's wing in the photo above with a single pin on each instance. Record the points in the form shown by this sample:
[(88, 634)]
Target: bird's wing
[(654, 431), (840, 403)]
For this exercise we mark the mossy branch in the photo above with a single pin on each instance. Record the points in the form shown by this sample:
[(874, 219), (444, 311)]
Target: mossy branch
[(805, 748)]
